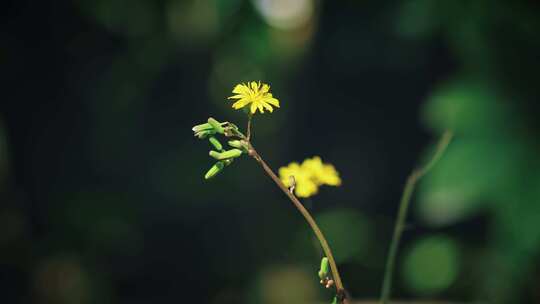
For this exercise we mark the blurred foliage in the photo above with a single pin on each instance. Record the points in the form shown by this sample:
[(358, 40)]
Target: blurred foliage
[(350, 234), (102, 196), (492, 167), (274, 286), (431, 265)]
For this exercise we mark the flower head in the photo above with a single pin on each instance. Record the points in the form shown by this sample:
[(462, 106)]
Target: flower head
[(304, 186), (254, 94), (323, 174), (308, 176)]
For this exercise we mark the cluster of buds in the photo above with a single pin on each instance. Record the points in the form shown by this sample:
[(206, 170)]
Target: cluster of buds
[(324, 273), (223, 157)]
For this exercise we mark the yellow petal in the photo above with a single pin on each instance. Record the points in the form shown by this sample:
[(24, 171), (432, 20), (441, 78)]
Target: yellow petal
[(293, 169), (240, 103), (268, 107), (271, 100), (253, 108), (237, 96), (254, 86), (331, 176), (241, 89), (305, 188)]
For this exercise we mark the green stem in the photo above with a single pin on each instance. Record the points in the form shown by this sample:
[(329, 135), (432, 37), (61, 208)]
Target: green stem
[(250, 117), (402, 214)]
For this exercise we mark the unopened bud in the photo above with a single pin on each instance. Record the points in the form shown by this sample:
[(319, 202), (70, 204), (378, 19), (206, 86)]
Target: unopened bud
[(216, 125), (216, 168), (239, 144), (215, 143), (204, 133), (233, 153), (323, 271), (202, 127)]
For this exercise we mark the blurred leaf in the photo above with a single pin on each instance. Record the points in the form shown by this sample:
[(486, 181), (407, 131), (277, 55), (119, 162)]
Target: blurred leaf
[(62, 279), (418, 18), (274, 286), (348, 232), (468, 107), (431, 265), (471, 172), (128, 17)]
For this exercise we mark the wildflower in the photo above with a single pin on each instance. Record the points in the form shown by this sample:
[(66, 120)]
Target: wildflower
[(323, 174), (308, 176), (304, 185), (256, 94)]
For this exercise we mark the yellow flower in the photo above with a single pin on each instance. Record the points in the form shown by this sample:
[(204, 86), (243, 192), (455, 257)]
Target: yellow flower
[(256, 94), (323, 174), (304, 185), (308, 176)]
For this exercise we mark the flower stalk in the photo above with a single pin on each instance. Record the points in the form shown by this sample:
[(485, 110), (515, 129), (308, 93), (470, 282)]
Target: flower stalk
[(402, 214), (340, 290)]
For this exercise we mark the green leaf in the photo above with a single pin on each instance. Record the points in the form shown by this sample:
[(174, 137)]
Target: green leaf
[(431, 265)]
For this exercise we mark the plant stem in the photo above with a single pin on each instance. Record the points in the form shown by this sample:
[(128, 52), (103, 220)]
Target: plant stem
[(248, 135), (340, 290), (402, 213)]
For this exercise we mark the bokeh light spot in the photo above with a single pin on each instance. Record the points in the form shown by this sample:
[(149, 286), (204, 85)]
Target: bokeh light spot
[(61, 280), (285, 14), (283, 284), (431, 265)]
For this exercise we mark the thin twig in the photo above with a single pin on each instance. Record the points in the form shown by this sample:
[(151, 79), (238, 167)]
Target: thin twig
[(402, 213), (341, 293), (248, 131), (340, 290)]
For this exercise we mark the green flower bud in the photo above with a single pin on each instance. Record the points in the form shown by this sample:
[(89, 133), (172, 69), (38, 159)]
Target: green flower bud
[(239, 144), (216, 168), (216, 125), (215, 143), (215, 154), (202, 127), (205, 133), (203, 130), (233, 153), (323, 271)]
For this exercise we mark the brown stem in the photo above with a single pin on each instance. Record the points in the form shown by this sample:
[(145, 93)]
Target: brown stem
[(340, 290)]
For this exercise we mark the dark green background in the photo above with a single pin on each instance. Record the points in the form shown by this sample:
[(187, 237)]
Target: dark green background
[(102, 196)]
